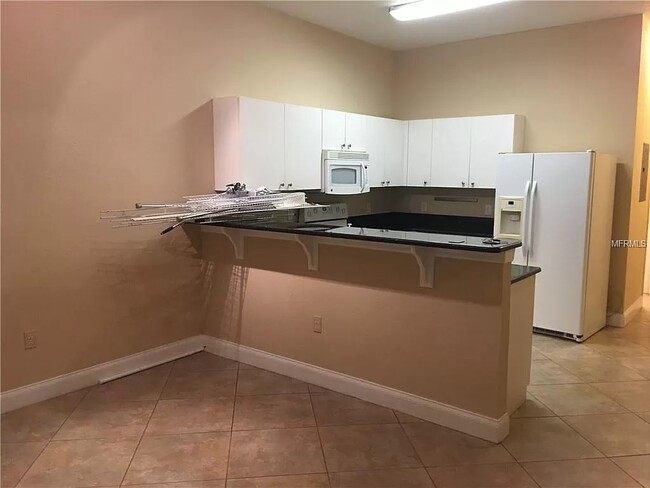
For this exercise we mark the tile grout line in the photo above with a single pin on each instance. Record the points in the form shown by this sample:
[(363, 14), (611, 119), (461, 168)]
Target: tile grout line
[(627, 410), (232, 422), (520, 463), (414, 449), (320, 441), (147, 424), (47, 443)]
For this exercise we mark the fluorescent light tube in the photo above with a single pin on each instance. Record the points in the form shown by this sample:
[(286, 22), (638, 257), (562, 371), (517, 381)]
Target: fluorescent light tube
[(423, 9)]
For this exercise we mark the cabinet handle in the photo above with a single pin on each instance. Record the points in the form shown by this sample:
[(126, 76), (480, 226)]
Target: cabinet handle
[(425, 183), (472, 184), (290, 185), (462, 183), (281, 185), (349, 146), (382, 183), (387, 183), (342, 146)]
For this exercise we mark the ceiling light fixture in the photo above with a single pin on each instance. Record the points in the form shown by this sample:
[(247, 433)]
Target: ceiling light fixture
[(423, 9)]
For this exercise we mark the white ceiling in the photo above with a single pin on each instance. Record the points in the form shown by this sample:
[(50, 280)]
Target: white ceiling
[(369, 20)]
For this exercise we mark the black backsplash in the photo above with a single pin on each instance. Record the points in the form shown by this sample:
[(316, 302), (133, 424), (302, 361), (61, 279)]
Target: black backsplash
[(443, 224)]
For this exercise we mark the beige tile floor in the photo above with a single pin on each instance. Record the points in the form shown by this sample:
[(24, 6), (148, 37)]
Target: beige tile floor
[(208, 422)]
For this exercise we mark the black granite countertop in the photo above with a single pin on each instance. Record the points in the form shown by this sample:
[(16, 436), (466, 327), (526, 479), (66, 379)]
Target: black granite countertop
[(519, 272), (427, 239)]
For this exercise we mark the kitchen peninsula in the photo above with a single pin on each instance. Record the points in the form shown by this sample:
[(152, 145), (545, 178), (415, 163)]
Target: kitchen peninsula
[(438, 326)]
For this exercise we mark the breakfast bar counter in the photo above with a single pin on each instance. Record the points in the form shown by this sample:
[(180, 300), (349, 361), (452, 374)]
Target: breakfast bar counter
[(435, 325)]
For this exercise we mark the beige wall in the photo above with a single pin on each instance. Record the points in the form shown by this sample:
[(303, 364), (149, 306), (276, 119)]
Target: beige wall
[(639, 210), (108, 103), (576, 85)]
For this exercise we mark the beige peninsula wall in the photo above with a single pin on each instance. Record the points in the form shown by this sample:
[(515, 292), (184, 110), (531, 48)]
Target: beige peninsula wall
[(447, 343)]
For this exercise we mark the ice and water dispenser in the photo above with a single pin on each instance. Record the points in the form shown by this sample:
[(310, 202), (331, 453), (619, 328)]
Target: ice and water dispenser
[(510, 217)]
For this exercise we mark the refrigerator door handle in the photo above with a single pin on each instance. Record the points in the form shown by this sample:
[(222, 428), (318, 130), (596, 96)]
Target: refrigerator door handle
[(524, 234), (529, 239)]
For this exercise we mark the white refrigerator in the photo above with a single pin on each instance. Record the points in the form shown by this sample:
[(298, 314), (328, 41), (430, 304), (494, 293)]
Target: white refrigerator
[(567, 203)]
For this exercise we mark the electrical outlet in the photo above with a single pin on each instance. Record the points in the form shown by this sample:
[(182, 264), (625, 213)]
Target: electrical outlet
[(423, 206), (29, 338), (318, 324), (488, 209)]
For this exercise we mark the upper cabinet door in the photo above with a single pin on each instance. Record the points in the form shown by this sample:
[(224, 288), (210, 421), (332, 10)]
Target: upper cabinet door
[(492, 135), (356, 132), (394, 163), (333, 129), (418, 170), (451, 149), (376, 151), (261, 126), (302, 147)]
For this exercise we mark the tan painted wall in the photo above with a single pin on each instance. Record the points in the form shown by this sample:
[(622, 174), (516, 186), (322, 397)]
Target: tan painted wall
[(108, 103), (639, 210), (576, 85), (448, 343)]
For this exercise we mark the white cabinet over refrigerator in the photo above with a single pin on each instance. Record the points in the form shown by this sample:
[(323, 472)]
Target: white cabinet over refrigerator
[(491, 135), (566, 227)]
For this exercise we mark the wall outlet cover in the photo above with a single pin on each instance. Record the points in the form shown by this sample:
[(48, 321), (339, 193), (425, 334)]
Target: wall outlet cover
[(318, 324), (29, 339)]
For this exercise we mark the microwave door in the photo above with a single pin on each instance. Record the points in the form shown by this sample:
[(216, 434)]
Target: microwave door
[(344, 175), (345, 178)]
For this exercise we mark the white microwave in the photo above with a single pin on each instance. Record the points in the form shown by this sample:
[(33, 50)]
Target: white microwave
[(345, 172)]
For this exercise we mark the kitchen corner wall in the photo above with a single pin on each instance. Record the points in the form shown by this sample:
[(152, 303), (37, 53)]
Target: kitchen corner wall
[(577, 86), (108, 103)]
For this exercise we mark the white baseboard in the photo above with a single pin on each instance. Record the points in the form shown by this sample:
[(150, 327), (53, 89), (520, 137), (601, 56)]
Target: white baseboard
[(44, 390), (491, 429), (494, 430), (622, 319)]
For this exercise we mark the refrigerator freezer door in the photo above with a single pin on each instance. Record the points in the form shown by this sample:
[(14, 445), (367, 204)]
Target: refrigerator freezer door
[(514, 171), (559, 223)]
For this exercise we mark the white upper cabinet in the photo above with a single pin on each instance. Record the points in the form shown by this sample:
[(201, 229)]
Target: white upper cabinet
[(262, 143), (302, 147), (356, 132), (451, 152), (333, 129), (376, 151), (418, 164), (394, 136), (248, 142), (345, 131), (386, 138), (491, 135)]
